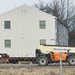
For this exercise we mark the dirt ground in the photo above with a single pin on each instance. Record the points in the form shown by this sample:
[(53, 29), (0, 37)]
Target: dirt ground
[(37, 71)]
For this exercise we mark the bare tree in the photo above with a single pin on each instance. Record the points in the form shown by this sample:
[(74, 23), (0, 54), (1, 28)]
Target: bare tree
[(62, 9), (40, 5)]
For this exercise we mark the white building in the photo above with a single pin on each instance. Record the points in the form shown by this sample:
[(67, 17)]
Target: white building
[(23, 28)]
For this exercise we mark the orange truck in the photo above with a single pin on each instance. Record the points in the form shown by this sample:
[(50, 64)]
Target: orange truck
[(46, 54)]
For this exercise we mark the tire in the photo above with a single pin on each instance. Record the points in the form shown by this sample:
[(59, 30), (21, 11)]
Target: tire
[(71, 60), (43, 61)]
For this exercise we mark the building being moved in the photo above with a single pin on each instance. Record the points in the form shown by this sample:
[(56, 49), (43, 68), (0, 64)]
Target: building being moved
[(24, 28)]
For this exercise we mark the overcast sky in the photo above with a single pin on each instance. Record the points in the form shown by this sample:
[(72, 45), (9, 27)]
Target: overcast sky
[(6, 5)]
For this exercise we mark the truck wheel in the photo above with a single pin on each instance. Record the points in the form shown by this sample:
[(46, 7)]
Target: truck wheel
[(43, 61), (71, 60)]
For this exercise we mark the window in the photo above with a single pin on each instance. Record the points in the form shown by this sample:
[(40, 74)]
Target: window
[(42, 24), (42, 41), (7, 43), (7, 25)]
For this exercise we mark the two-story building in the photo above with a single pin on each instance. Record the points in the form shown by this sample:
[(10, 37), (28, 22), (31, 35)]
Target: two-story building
[(24, 28)]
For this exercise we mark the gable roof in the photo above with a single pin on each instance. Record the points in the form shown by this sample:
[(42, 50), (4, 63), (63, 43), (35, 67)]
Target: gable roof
[(24, 5)]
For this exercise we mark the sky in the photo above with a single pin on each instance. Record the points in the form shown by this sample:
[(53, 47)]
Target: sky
[(6, 5)]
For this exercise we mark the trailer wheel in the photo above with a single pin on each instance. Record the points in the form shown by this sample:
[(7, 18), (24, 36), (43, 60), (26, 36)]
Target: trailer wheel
[(71, 60), (43, 61)]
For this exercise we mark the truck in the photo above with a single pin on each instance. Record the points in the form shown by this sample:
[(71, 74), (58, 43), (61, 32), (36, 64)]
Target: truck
[(45, 54)]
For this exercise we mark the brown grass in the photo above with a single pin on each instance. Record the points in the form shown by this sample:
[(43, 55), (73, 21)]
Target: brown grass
[(37, 71)]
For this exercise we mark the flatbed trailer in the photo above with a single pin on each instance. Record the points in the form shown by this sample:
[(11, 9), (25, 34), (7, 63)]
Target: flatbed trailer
[(19, 59), (45, 54), (4, 58)]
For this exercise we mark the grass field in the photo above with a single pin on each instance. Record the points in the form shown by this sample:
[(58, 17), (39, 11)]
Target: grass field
[(48, 70)]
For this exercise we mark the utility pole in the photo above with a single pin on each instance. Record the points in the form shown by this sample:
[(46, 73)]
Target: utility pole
[(61, 63)]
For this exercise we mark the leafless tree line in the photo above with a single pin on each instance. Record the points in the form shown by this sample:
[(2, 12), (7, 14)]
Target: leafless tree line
[(64, 10)]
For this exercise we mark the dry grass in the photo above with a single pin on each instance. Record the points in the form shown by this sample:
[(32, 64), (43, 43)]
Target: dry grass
[(37, 71)]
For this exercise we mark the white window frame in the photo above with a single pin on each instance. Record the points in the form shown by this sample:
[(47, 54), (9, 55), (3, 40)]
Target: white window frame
[(7, 26), (42, 24), (7, 43), (42, 41)]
